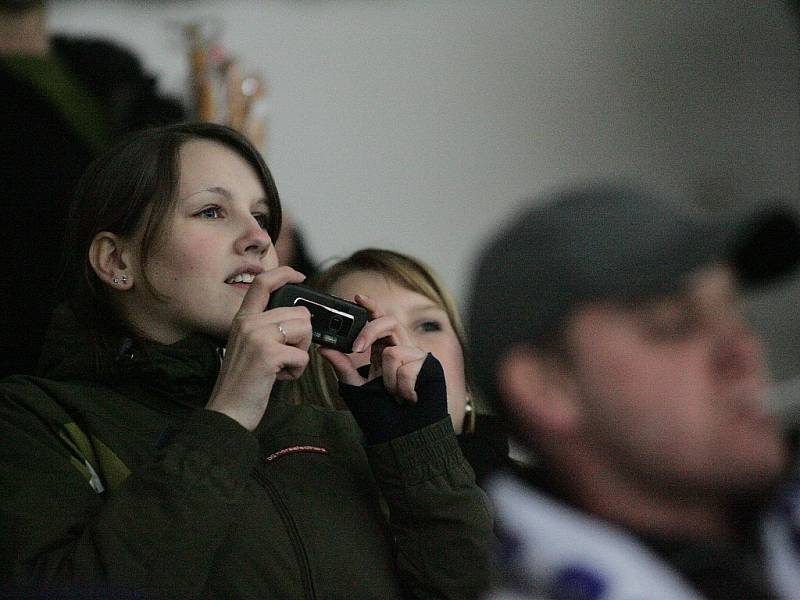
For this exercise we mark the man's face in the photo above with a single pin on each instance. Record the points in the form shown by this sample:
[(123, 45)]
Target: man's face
[(673, 390)]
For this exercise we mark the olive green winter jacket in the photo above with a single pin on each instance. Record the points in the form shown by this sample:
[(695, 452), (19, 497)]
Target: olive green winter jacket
[(114, 477)]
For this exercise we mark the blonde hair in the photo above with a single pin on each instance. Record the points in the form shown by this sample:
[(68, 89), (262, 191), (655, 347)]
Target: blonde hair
[(318, 385)]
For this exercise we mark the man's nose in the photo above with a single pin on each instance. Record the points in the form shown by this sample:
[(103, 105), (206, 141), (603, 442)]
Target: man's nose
[(739, 351)]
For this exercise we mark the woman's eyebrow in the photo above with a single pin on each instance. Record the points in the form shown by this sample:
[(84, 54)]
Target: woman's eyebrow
[(418, 308), (261, 203), (224, 192)]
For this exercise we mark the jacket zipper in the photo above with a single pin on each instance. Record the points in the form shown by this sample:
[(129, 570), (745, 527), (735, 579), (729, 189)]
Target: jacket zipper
[(294, 535)]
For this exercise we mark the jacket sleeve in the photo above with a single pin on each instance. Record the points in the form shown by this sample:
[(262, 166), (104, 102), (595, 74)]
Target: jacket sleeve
[(438, 516), (158, 530)]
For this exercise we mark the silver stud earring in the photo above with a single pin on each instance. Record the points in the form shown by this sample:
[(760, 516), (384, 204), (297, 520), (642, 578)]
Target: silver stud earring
[(115, 280), (124, 279)]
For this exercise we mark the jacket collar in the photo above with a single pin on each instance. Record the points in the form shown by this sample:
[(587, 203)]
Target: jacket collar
[(171, 378)]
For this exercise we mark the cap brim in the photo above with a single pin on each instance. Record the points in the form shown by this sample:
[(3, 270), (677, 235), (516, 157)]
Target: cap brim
[(766, 247), (761, 247)]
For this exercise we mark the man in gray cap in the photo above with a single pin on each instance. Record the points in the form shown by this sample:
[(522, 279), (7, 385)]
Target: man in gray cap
[(606, 326)]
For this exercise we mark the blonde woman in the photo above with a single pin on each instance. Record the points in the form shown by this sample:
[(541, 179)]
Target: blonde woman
[(411, 293)]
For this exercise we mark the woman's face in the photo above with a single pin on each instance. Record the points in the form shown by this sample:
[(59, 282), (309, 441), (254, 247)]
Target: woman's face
[(215, 243), (428, 324)]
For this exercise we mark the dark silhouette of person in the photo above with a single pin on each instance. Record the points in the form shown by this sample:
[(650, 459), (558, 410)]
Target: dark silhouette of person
[(62, 100)]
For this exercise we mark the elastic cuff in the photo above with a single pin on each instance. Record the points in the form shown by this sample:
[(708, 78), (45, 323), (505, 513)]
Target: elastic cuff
[(418, 456)]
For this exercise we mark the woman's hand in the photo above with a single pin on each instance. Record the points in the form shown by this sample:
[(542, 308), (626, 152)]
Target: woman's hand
[(263, 346), (392, 354)]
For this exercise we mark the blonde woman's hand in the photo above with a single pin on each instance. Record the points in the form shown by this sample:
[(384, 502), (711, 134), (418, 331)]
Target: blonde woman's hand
[(263, 346), (392, 354)]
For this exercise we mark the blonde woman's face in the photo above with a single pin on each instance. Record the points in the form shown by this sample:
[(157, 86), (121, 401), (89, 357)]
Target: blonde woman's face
[(428, 324)]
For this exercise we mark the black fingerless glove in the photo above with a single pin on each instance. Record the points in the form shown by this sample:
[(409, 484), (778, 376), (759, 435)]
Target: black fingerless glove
[(382, 418)]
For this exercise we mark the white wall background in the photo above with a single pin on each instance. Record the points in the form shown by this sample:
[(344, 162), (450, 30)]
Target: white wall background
[(420, 124)]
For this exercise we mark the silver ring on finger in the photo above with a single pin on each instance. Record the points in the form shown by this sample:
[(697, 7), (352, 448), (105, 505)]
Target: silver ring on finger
[(283, 333)]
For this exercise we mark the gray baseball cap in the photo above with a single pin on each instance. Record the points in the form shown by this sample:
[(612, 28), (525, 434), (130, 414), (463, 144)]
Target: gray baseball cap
[(608, 241)]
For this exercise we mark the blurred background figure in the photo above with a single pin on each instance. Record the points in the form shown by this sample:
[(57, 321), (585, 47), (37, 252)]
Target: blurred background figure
[(62, 100), (409, 291), (607, 327), (221, 92)]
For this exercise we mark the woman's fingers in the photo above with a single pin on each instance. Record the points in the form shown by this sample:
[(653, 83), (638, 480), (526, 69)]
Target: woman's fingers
[(373, 308), (392, 354), (387, 329), (292, 363), (345, 369), (262, 346), (376, 327), (400, 367), (292, 326), (377, 336), (257, 296)]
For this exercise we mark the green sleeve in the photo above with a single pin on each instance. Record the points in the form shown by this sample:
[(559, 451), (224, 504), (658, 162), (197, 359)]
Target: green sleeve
[(438, 516), (158, 530)]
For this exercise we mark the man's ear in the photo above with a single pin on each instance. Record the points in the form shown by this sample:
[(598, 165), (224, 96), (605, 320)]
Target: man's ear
[(536, 389), (109, 255)]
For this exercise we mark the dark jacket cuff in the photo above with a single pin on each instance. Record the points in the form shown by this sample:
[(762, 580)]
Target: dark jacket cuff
[(380, 416)]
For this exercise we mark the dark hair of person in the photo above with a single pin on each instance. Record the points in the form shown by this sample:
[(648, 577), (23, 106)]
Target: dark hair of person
[(132, 188), (20, 5)]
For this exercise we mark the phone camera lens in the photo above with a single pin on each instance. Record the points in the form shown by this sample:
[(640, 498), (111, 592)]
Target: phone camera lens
[(336, 324)]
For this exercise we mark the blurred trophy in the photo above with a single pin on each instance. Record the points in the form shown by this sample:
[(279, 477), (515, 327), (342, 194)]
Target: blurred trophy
[(220, 91)]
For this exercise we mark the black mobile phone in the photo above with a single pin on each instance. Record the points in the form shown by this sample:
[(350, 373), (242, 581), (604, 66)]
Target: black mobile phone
[(334, 322)]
